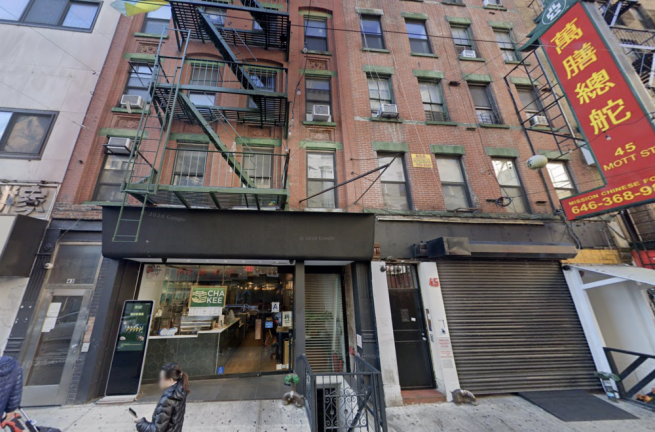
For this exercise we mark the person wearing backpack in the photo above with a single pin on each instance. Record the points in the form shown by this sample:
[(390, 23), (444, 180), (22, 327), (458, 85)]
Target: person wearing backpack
[(169, 413), (11, 387)]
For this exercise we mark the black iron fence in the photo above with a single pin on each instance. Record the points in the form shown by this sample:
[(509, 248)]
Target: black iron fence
[(637, 377), (345, 401)]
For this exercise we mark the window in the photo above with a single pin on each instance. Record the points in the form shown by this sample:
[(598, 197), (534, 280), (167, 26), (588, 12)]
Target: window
[(506, 45), (190, 162), (371, 32), (316, 35), (137, 82), (433, 103), (112, 174), (23, 133), (531, 103), (379, 92), (418, 37), (207, 75), (264, 80), (321, 175), (61, 13), (216, 16), (258, 165), (394, 185), (317, 92), (484, 105), (453, 183), (462, 38), (510, 185), (559, 175), (156, 22)]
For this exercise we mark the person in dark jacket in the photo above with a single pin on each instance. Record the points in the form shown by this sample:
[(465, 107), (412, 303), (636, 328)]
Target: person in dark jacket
[(169, 413), (11, 387)]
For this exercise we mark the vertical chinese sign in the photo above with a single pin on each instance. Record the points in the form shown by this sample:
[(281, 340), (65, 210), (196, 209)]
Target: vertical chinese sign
[(616, 125)]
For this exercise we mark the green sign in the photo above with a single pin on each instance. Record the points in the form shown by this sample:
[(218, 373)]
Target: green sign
[(553, 9), (207, 297), (135, 324)]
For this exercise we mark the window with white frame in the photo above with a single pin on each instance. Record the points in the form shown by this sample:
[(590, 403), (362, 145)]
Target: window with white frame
[(561, 179), (506, 44), (453, 183), (190, 163), (462, 39), (485, 107), (433, 102), (138, 80), (112, 174), (395, 193), (321, 175), (530, 100), (379, 91), (510, 185), (418, 37), (316, 34), (156, 22), (317, 92)]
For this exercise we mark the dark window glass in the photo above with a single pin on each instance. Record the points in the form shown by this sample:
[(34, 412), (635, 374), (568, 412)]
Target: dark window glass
[(433, 103), (321, 175), (46, 12), (529, 100), (371, 32), (418, 37), (379, 91), (208, 75), (510, 185), (108, 187), (559, 175), (216, 16), (156, 22), (484, 106), (317, 92), (190, 162), (80, 15), (137, 82), (12, 10), (258, 165), (394, 185), (23, 133), (453, 183), (57, 13), (75, 264), (316, 35)]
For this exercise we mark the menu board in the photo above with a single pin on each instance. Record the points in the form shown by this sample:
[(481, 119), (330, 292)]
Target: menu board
[(207, 301), (130, 348)]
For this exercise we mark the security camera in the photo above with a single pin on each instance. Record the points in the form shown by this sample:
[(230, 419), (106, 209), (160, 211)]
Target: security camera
[(48, 266)]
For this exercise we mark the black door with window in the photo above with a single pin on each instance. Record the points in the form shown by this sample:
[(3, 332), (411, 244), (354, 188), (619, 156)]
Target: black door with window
[(410, 334)]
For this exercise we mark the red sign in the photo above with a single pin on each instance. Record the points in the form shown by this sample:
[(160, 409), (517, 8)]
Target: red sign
[(250, 269), (617, 127)]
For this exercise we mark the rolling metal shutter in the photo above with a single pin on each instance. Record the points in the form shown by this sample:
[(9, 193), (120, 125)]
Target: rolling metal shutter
[(514, 327)]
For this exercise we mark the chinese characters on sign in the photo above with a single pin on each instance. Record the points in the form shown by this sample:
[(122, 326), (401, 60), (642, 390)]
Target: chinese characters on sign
[(616, 126), (25, 199)]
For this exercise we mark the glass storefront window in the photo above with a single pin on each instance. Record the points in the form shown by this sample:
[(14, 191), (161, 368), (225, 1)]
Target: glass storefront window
[(75, 264)]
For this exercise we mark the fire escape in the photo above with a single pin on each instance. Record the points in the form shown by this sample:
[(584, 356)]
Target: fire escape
[(216, 96)]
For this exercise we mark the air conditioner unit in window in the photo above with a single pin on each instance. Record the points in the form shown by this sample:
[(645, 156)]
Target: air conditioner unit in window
[(469, 53), (492, 3), (388, 111), (132, 102), (538, 121), (321, 113), (588, 156), (118, 146)]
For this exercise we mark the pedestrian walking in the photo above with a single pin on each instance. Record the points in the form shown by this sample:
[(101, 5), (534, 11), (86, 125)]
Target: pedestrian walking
[(11, 387), (169, 413)]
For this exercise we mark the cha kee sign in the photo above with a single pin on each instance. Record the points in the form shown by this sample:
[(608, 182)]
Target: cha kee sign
[(605, 105)]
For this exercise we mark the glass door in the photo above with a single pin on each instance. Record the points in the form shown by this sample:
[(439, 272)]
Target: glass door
[(55, 338)]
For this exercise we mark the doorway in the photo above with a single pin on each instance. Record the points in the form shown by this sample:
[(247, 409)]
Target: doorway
[(55, 338), (410, 335)]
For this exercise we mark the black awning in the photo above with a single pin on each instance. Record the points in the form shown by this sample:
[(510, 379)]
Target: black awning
[(18, 249)]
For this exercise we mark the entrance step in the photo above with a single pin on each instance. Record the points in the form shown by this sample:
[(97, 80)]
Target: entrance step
[(429, 396)]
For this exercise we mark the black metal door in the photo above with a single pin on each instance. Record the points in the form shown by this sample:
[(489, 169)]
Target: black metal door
[(410, 335)]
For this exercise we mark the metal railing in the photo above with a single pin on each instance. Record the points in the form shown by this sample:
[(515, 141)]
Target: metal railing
[(276, 5), (639, 373), (345, 401), (630, 37)]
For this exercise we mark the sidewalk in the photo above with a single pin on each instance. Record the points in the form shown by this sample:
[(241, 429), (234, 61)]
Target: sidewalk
[(494, 414)]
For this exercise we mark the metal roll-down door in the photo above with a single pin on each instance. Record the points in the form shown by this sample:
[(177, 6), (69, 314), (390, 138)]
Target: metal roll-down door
[(514, 327)]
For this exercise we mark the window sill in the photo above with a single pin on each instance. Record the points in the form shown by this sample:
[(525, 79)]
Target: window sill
[(124, 110), (323, 210), (376, 50), (494, 7), (494, 126), (317, 123), (453, 3), (441, 123), (149, 35), (103, 203), (387, 120), (473, 59), (323, 53), (414, 54)]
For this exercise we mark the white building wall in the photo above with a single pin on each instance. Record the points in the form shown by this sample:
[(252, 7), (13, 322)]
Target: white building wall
[(54, 70)]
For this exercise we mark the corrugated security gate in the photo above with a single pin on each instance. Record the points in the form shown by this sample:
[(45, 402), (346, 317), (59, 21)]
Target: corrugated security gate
[(514, 327)]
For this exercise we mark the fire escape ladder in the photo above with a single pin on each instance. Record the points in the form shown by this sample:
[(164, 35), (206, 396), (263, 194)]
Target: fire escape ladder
[(216, 141)]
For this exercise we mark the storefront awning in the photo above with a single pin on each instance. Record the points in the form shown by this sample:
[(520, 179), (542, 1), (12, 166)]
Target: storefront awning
[(617, 274)]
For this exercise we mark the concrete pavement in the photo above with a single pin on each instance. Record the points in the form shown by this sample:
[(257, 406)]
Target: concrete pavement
[(494, 414)]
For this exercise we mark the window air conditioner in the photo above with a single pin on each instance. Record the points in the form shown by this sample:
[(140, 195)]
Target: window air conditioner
[(118, 146), (492, 3), (469, 53), (388, 111), (588, 156), (538, 121), (132, 101), (321, 113)]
